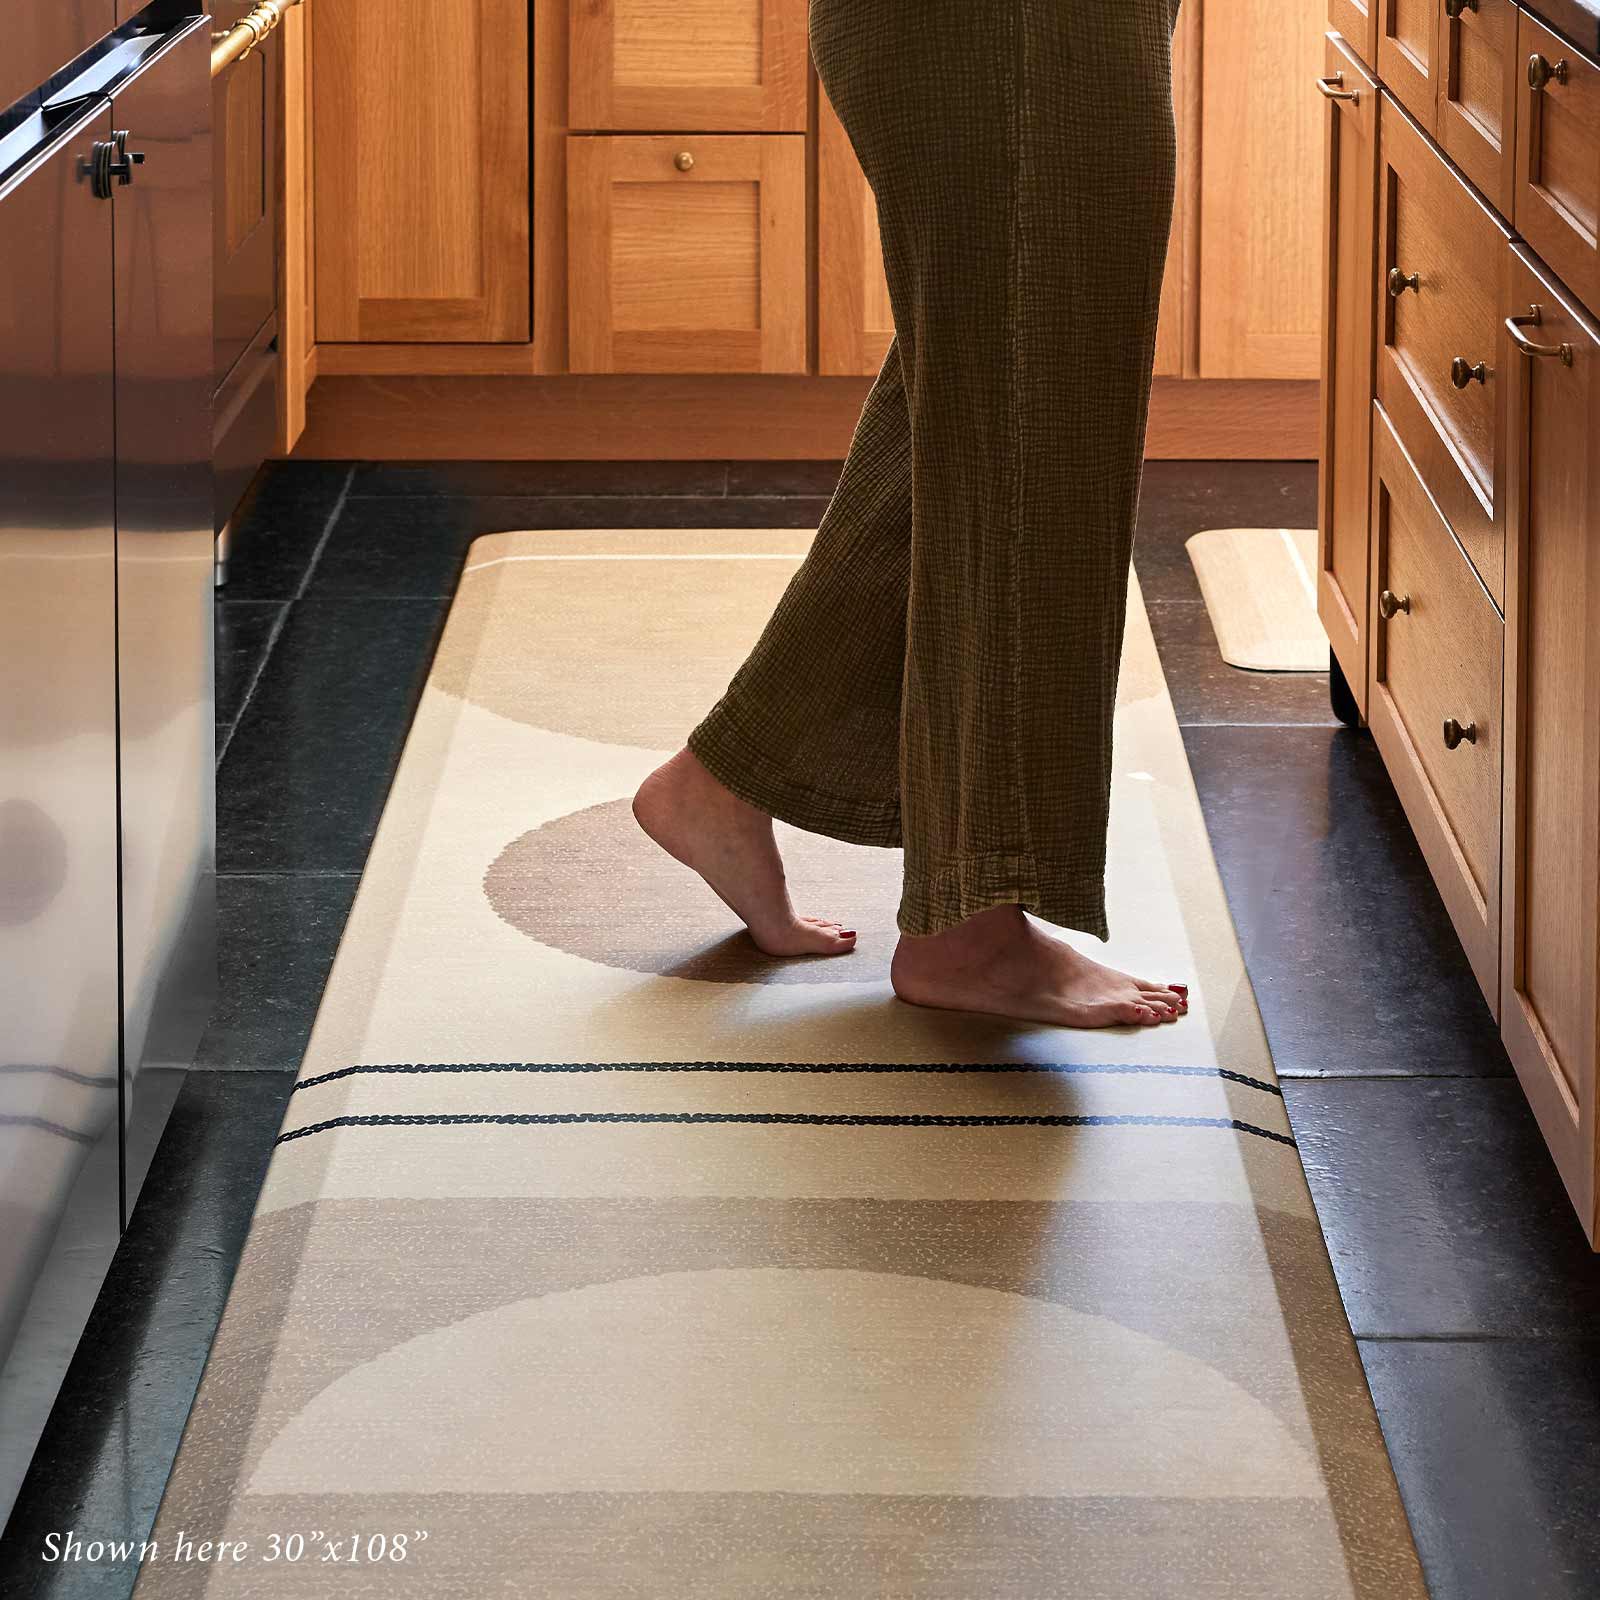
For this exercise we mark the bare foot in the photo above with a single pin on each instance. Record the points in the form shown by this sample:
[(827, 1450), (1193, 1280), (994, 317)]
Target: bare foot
[(730, 844), (1000, 962)]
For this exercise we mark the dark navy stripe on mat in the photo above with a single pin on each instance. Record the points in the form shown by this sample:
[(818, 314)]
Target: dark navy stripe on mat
[(779, 1118), (45, 1125), (1065, 1067)]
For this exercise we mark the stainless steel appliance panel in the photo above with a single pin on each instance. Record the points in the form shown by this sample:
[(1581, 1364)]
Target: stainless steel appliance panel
[(59, 991), (43, 36), (165, 595)]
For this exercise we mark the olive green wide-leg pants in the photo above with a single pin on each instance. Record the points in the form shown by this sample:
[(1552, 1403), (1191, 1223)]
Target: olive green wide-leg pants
[(941, 672)]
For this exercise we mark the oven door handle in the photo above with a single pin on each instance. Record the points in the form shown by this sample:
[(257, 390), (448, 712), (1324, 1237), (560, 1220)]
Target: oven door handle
[(235, 43)]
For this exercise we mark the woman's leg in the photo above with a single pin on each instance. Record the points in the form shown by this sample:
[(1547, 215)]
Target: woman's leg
[(809, 729)]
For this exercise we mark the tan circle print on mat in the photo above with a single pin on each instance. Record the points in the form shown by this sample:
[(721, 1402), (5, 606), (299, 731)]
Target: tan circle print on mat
[(592, 884), (630, 652)]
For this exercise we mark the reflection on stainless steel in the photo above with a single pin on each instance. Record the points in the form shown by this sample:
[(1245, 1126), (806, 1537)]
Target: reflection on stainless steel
[(42, 36), (59, 1003), (106, 864), (164, 558)]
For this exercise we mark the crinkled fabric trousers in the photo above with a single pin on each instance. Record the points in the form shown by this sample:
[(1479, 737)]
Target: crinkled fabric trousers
[(941, 672)]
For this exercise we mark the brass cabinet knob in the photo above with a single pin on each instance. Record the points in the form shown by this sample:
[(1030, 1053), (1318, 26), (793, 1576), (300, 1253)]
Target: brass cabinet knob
[(1454, 733), (1391, 604), (1541, 70), (1463, 372), (1400, 281), (1454, 8), (684, 160)]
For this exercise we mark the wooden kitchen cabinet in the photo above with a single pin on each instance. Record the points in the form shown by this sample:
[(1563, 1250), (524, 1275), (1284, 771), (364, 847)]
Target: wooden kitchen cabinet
[(1442, 254), (1552, 769), (1478, 74), (1408, 56), (687, 253), (1350, 201), (421, 172), (855, 321), (701, 65), (1259, 268), (1357, 22), (1558, 157)]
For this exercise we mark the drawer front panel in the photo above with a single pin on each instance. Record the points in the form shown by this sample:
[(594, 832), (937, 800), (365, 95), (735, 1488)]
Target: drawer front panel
[(1408, 43), (1557, 202), (1478, 96), (734, 65), (1441, 261), (688, 253), (1357, 21), (1437, 653)]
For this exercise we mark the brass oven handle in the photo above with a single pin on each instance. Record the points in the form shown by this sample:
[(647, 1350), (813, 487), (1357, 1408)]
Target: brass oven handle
[(1333, 88), (1515, 325), (235, 43), (1455, 732)]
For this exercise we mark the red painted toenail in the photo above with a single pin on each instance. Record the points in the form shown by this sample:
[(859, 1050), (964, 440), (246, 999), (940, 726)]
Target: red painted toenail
[(847, 933)]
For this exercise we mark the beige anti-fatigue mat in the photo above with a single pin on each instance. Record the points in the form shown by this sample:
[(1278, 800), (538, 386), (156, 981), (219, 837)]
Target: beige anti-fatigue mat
[(1260, 590), (623, 1262)]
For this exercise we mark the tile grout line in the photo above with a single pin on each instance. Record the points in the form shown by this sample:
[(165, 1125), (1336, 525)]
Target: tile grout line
[(1476, 1338), (255, 677), (327, 533)]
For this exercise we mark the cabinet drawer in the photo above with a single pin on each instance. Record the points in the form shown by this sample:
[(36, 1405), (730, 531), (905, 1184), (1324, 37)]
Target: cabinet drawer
[(687, 253), (1408, 48), (1357, 21), (734, 65), (1442, 260), (1478, 74), (1437, 649), (1557, 202)]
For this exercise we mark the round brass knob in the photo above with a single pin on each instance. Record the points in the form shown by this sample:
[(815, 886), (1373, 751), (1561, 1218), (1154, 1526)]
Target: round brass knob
[(1454, 733), (1391, 604), (1463, 372), (1541, 70), (1454, 8), (1400, 281), (683, 161)]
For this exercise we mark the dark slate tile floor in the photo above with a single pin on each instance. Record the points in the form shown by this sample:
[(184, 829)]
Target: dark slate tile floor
[(1467, 1281)]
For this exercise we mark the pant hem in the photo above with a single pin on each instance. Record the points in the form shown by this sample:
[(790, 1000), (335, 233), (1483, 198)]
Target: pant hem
[(743, 768), (1057, 892)]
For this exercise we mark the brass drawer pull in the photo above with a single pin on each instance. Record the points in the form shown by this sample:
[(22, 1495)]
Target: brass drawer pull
[(1454, 8), (1515, 325), (1391, 604), (1541, 71), (1454, 733), (1463, 372), (1333, 88), (684, 160)]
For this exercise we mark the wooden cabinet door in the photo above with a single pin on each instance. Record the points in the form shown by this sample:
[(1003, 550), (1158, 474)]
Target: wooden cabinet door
[(1260, 262), (1348, 313), (738, 65), (421, 171), (1478, 74), (687, 253), (1357, 21), (1558, 157), (1552, 779), (855, 322), (1408, 50)]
